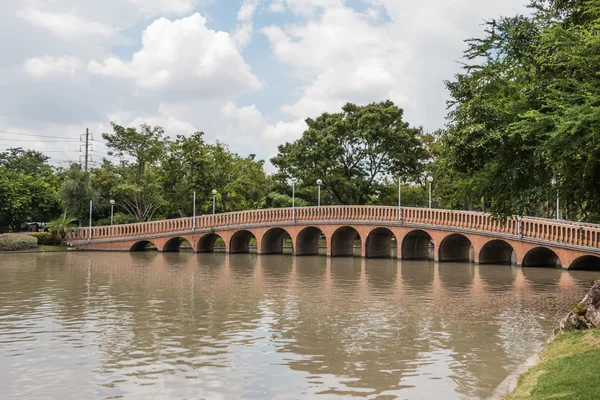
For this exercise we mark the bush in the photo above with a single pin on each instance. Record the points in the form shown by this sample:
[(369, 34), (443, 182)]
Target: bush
[(12, 242), (44, 238)]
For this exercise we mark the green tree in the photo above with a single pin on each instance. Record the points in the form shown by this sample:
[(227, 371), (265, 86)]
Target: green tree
[(353, 152), (76, 191), (524, 113), (136, 185), (28, 188)]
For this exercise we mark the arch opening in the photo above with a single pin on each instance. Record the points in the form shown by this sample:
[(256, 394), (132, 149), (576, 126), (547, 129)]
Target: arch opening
[(173, 245), (272, 241), (415, 246), (588, 263), (240, 242), (379, 243), (455, 247), (307, 242), (343, 242), (496, 252), (209, 242), (142, 245), (541, 257)]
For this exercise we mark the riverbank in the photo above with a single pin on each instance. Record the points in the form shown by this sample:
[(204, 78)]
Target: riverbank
[(568, 368), (569, 365), (42, 249)]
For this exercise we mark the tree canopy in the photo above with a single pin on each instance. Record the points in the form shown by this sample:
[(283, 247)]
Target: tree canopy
[(353, 152)]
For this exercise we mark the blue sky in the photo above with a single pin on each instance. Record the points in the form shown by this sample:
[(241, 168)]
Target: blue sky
[(245, 72)]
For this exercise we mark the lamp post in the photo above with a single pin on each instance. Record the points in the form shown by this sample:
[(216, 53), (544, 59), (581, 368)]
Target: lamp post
[(400, 198), (557, 199), (90, 230), (112, 211), (214, 193), (194, 212), (430, 180), (294, 199), (319, 183)]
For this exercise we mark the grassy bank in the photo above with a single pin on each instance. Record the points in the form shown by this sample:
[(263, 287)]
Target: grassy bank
[(569, 369)]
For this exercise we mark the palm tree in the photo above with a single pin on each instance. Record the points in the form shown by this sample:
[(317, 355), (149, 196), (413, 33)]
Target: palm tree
[(59, 227)]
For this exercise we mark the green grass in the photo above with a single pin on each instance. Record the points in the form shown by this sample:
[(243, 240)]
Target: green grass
[(51, 248), (569, 369)]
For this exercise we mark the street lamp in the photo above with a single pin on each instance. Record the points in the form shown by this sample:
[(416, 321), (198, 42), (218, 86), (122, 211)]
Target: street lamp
[(294, 199), (194, 213), (430, 180), (319, 183), (557, 199), (214, 193), (400, 198), (90, 230), (112, 208)]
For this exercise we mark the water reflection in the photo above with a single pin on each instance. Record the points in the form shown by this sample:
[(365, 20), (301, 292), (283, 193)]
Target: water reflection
[(184, 325)]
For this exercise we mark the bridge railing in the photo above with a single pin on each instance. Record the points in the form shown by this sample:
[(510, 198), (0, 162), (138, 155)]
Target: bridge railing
[(551, 230)]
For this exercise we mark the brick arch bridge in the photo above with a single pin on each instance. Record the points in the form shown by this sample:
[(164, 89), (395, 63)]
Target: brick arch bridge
[(455, 235)]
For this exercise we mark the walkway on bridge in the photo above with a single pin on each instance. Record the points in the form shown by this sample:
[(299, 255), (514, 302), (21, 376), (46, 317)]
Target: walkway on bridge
[(454, 235)]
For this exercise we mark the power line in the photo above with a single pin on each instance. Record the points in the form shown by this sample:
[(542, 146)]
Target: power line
[(29, 134), (51, 141)]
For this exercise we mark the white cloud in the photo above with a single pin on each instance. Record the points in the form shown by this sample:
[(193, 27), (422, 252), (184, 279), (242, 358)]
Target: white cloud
[(244, 30), (277, 6), (285, 131), (65, 25), (152, 8), (398, 50), (172, 125), (343, 57), (184, 56), (52, 66)]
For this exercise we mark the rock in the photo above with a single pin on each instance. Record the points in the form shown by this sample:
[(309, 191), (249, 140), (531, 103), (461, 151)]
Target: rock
[(585, 315)]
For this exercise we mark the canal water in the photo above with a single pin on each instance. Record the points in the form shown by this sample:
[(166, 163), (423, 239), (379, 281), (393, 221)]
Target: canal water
[(216, 326)]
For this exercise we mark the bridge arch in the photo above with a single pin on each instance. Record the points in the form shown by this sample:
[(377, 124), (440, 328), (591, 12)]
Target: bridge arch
[(173, 245), (589, 262), (272, 241), (415, 245), (342, 241), (455, 247), (142, 245), (307, 241), (206, 244), (496, 252), (379, 243), (541, 257), (240, 242)]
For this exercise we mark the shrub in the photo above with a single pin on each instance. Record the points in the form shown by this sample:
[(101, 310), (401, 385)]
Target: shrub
[(44, 238), (12, 242)]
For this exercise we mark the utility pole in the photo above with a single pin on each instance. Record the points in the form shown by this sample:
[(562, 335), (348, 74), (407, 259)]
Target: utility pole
[(87, 144), (87, 147)]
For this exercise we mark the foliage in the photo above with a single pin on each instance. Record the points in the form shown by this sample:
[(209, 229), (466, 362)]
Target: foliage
[(525, 112), (76, 191), (60, 226), (13, 242), (136, 185), (353, 152), (28, 188), (44, 238)]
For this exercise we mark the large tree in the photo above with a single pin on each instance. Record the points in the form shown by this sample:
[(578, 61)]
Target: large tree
[(28, 188), (136, 186), (524, 117), (353, 152)]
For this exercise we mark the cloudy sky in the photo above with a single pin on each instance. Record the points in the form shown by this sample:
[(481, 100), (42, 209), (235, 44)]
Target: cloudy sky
[(245, 72)]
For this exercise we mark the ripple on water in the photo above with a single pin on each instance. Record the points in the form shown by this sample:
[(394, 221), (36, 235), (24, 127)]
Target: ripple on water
[(137, 326)]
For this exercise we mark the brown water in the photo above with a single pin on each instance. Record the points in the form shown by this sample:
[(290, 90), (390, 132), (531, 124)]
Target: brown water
[(187, 326)]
